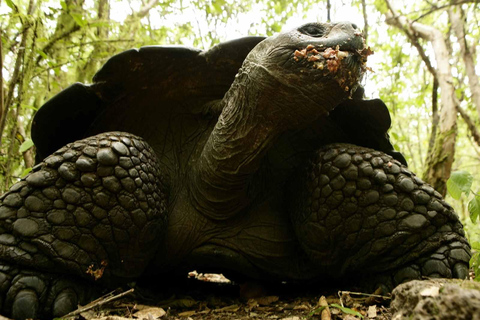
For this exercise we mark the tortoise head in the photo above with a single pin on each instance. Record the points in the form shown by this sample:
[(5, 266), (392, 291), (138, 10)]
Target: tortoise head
[(323, 62)]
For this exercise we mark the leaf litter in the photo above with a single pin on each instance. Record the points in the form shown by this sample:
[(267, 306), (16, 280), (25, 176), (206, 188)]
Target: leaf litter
[(210, 303)]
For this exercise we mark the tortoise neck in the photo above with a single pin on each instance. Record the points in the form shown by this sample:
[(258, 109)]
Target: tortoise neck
[(257, 109)]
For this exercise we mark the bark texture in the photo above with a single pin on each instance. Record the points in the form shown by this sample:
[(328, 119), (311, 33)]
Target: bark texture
[(457, 17), (441, 156)]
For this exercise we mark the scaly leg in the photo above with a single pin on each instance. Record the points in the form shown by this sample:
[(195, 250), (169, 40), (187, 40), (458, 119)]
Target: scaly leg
[(95, 209), (359, 213)]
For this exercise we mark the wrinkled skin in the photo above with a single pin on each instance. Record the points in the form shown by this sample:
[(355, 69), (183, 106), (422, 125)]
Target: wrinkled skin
[(254, 186)]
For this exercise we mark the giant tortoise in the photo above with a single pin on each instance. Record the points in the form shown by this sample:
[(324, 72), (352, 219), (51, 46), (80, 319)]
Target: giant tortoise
[(258, 156)]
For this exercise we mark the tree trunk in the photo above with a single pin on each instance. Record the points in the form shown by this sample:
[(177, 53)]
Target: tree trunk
[(14, 81), (435, 116), (2, 111), (365, 21), (85, 73), (457, 21), (440, 159)]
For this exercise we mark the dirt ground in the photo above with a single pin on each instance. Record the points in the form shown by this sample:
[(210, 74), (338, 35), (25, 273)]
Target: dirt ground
[(200, 300)]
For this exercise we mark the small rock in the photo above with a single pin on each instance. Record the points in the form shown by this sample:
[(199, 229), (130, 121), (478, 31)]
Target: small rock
[(420, 300)]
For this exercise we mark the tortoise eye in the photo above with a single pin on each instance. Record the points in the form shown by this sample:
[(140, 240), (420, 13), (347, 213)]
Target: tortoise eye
[(313, 30)]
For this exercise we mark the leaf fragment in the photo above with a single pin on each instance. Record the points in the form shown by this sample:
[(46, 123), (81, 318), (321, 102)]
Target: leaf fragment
[(347, 310), (27, 144), (458, 183), (474, 208)]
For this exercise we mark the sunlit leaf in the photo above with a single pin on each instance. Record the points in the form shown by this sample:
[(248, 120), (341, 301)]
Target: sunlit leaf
[(474, 208), (475, 245), (316, 311), (27, 144), (347, 310), (78, 19), (25, 172), (459, 182), (10, 4), (29, 107), (42, 53), (218, 6)]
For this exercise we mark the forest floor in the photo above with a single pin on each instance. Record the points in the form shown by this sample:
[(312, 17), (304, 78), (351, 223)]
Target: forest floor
[(205, 300)]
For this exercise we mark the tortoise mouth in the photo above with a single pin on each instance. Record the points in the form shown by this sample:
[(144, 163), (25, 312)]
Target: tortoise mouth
[(346, 66)]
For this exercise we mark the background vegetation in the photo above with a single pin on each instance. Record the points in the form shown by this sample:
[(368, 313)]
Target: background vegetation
[(425, 67)]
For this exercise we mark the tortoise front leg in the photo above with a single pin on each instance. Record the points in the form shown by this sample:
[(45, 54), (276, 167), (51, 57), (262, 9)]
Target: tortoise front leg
[(359, 213), (95, 209)]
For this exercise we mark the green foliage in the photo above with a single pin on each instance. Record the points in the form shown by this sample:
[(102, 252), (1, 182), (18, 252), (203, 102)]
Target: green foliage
[(67, 41), (347, 310), (25, 172), (475, 260), (459, 182), (27, 144), (337, 306), (315, 311), (10, 4), (474, 208)]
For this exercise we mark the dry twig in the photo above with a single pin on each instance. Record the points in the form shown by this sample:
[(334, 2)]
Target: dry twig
[(96, 303)]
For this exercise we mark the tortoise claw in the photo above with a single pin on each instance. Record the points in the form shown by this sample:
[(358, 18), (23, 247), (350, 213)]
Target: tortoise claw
[(25, 305), (460, 270), (66, 301)]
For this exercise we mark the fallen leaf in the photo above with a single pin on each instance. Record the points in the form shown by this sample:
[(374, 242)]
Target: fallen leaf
[(252, 303), (372, 311), (153, 311), (232, 308), (325, 314), (301, 307), (208, 277), (187, 313)]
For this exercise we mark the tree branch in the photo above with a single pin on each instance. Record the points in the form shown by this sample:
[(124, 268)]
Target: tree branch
[(98, 41), (365, 20), (2, 111), (436, 8), (456, 20), (16, 73), (470, 124), (440, 160), (435, 115), (145, 9), (395, 20), (55, 39), (19, 79), (329, 7)]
